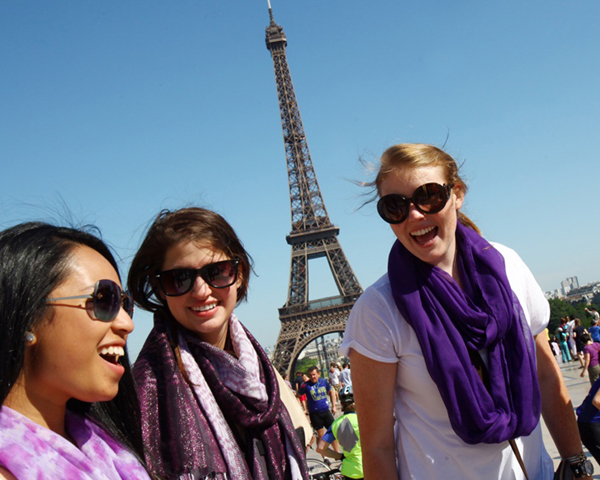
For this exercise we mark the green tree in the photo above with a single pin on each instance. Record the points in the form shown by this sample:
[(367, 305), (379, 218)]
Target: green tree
[(305, 363), (558, 309), (561, 308)]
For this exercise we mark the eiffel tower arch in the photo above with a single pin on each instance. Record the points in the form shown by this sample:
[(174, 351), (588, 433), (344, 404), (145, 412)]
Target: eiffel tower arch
[(312, 235)]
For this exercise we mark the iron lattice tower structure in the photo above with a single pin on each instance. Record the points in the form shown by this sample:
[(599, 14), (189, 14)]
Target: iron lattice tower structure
[(312, 236)]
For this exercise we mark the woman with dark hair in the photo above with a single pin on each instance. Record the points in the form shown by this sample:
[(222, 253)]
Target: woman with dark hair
[(211, 403), (444, 343), (68, 402), (591, 358)]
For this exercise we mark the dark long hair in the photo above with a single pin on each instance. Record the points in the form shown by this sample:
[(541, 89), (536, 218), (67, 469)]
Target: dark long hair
[(34, 260)]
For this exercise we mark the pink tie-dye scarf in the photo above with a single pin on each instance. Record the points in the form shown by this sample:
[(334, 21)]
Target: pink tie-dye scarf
[(31, 451)]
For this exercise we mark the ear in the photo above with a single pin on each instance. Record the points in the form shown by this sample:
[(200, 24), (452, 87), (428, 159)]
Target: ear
[(459, 196)]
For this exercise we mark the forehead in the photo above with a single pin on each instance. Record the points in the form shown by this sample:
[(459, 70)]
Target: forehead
[(405, 181), (191, 254)]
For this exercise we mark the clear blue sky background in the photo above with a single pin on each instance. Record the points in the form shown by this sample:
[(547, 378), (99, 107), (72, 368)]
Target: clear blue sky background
[(111, 111)]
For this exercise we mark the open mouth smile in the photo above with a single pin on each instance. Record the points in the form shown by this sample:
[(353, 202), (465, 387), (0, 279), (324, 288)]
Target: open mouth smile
[(424, 235), (204, 308), (112, 354)]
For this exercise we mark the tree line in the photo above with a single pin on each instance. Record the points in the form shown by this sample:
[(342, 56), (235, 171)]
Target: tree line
[(561, 308)]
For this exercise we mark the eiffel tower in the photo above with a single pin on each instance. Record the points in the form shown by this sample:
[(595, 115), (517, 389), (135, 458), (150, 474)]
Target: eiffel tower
[(312, 236)]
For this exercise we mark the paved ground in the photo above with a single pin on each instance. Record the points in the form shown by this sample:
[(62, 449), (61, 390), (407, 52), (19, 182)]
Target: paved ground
[(578, 388)]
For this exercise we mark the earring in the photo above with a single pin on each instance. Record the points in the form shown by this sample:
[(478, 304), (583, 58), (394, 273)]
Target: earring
[(30, 338)]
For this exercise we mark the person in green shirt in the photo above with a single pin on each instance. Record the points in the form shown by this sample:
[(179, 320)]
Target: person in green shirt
[(345, 430)]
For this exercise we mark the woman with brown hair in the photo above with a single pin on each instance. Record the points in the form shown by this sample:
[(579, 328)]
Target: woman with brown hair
[(211, 403)]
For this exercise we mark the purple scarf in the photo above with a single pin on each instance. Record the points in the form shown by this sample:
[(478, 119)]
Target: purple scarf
[(29, 450), (179, 438), (450, 321)]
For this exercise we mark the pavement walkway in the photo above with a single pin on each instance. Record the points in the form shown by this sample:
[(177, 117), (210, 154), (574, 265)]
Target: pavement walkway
[(578, 389)]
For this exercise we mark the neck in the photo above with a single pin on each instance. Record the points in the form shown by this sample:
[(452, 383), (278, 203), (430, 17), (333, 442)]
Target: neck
[(217, 339), (38, 408)]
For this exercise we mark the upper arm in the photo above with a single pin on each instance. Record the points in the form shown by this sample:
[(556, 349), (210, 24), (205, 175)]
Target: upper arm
[(545, 359), (374, 384)]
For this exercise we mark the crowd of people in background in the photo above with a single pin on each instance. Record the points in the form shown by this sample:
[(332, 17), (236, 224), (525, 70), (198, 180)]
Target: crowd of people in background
[(573, 342)]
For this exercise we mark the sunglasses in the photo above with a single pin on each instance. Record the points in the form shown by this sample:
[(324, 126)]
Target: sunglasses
[(429, 198), (104, 304), (181, 280)]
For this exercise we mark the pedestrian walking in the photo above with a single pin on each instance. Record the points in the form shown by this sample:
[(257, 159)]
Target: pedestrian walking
[(317, 390)]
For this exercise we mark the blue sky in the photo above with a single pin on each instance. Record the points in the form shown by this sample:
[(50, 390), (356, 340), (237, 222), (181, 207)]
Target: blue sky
[(112, 111)]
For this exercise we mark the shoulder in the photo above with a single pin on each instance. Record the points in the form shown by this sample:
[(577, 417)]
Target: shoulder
[(375, 327), (5, 474), (375, 302), (524, 285)]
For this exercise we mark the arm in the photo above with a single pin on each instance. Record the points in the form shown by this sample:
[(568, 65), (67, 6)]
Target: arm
[(323, 449), (586, 363), (596, 400), (557, 408), (373, 384), (332, 397)]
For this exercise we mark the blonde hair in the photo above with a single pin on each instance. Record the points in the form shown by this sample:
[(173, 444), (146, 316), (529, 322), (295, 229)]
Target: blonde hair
[(415, 155)]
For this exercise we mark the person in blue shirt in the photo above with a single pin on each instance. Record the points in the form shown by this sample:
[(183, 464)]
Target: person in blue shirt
[(595, 330), (317, 390), (345, 430)]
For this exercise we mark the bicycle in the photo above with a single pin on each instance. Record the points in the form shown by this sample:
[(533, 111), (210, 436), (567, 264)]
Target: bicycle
[(318, 470)]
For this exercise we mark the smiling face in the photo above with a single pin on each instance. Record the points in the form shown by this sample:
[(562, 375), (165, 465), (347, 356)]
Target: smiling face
[(429, 237), (204, 310), (66, 360)]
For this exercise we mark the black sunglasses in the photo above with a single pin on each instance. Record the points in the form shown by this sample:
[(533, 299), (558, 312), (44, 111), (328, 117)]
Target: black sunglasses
[(104, 304), (180, 281), (428, 198)]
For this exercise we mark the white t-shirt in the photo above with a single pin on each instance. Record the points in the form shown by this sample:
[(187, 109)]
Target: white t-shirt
[(334, 377), (426, 445)]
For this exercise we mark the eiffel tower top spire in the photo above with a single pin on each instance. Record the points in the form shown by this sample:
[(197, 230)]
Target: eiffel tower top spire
[(308, 209)]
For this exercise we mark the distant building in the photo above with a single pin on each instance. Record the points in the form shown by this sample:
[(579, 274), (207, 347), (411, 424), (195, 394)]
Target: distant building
[(568, 284), (571, 291), (586, 292)]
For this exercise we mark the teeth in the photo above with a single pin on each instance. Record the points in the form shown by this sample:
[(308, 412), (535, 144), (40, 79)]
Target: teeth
[(204, 308), (422, 232), (112, 350)]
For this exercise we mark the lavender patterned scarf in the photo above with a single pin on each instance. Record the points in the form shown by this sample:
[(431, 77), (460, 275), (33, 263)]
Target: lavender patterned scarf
[(451, 321), (29, 450), (232, 420)]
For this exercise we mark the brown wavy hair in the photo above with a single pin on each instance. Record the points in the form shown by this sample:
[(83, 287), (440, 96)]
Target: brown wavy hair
[(194, 224)]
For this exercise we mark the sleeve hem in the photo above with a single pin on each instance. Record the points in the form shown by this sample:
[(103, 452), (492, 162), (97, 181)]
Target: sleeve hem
[(354, 345)]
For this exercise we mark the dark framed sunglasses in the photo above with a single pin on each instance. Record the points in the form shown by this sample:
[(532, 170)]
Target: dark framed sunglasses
[(180, 281), (429, 198), (104, 304)]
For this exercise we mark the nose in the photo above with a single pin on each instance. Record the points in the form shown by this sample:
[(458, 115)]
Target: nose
[(414, 213), (200, 289), (123, 324)]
